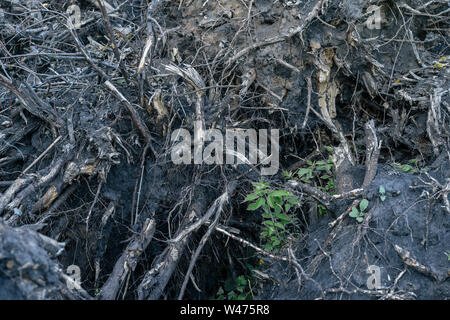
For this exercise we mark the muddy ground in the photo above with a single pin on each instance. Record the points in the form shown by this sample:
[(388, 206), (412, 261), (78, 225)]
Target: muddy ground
[(92, 205)]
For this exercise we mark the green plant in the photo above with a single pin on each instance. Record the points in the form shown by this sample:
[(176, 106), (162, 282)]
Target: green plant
[(382, 192), (359, 214), (322, 210), (276, 205), (448, 255), (288, 174), (320, 172), (411, 167), (235, 290)]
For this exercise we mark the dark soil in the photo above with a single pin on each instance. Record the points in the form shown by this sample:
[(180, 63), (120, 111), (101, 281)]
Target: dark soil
[(87, 180)]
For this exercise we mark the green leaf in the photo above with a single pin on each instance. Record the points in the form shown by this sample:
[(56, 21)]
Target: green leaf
[(276, 243), (383, 197), (283, 217), (279, 225), (354, 213), (229, 284), (303, 171), (363, 204), (277, 210), (242, 280), (251, 197), (256, 205), (287, 174), (381, 190), (360, 219), (329, 149), (280, 193), (278, 200), (270, 202)]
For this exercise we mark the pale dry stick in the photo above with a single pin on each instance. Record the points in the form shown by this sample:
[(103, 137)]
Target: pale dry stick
[(249, 244), (141, 178), (323, 197), (308, 105), (273, 94), (298, 267), (108, 28), (128, 260), (249, 14), (147, 47), (373, 147), (6, 197), (41, 155), (156, 279), (32, 188), (92, 206), (345, 213), (148, 44), (216, 206), (150, 35), (288, 65), (55, 205), (136, 119), (73, 285), (404, 5), (352, 193), (196, 254)]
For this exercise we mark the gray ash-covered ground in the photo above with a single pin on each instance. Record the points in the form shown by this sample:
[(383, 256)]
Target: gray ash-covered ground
[(88, 107)]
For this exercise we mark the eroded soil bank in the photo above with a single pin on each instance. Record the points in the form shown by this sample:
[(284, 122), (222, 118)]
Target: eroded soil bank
[(93, 205)]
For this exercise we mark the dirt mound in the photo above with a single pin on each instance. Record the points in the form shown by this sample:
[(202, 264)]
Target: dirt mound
[(28, 266), (400, 250)]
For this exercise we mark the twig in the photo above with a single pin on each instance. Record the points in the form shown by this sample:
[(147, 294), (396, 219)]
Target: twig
[(308, 106), (41, 155), (249, 244), (111, 38)]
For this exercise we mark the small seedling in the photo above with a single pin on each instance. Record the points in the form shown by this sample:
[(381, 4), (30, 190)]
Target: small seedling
[(288, 175), (382, 192), (411, 167), (276, 206), (235, 290), (359, 214), (448, 255)]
